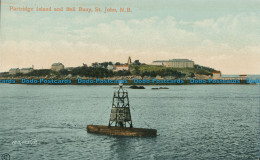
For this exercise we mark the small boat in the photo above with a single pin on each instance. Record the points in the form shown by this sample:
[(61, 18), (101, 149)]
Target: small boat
[(154, 88), (137, 87)]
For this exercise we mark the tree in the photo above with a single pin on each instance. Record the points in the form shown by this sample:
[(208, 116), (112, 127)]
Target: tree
[(64, 72), (104, 64), (95, 65), (136, 62), (123, 73), (137, 70)]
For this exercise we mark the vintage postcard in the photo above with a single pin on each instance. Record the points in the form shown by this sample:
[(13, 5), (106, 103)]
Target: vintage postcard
[(128, 79)]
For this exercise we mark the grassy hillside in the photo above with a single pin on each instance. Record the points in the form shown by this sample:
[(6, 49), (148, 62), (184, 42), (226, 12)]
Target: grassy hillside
[(142, 69)]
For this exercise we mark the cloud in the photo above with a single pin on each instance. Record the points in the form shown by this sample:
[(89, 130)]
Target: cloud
[(236, 30)]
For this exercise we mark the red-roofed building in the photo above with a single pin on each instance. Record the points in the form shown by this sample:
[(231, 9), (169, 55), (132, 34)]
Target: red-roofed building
[(122, 67), (216, 75)]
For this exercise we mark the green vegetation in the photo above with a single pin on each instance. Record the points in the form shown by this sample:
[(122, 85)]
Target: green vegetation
[(103, 64), (4, 74), (204, 68), (151, 70), (99, 70), (40, 72)]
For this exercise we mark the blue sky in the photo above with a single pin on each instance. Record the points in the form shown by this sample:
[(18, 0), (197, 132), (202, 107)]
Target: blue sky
[(221, 34)]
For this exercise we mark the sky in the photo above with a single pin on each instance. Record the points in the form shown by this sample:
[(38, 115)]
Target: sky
[(221, 34)]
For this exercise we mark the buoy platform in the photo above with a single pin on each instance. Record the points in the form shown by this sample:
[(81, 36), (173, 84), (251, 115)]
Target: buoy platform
[(120, 122), (121, 131)]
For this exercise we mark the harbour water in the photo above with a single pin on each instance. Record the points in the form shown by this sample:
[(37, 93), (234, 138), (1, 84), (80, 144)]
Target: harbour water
[(216, 122)]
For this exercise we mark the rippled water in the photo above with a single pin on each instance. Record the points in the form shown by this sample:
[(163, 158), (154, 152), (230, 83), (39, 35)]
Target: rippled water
[(193, 122)]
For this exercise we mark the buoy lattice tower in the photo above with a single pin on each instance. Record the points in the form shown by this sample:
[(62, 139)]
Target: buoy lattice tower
[(120, 113)]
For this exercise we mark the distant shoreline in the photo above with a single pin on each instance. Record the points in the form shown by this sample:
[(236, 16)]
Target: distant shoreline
[(130, 82)]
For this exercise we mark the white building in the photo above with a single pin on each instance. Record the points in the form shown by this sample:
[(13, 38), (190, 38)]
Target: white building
[(243, 76), (175, 63), (26, 70), (110, 67), (159, 63), (233, 77), (180, 63), (57, 66), (69, 68), (14, 71)]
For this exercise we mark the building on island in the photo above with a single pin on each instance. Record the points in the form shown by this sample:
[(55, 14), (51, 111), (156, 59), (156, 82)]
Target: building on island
[(110, 67), (233, 77), (216, 75), (26, 70), (69, 68), (14, 71), (23, 70), (160, 63), (57, 66), (243, 76), (180, 63), (129, 61), (175, 63), (122, 67)]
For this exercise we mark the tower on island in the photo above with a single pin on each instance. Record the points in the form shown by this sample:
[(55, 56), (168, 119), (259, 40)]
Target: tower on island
[(129, 61), (120, 113)]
